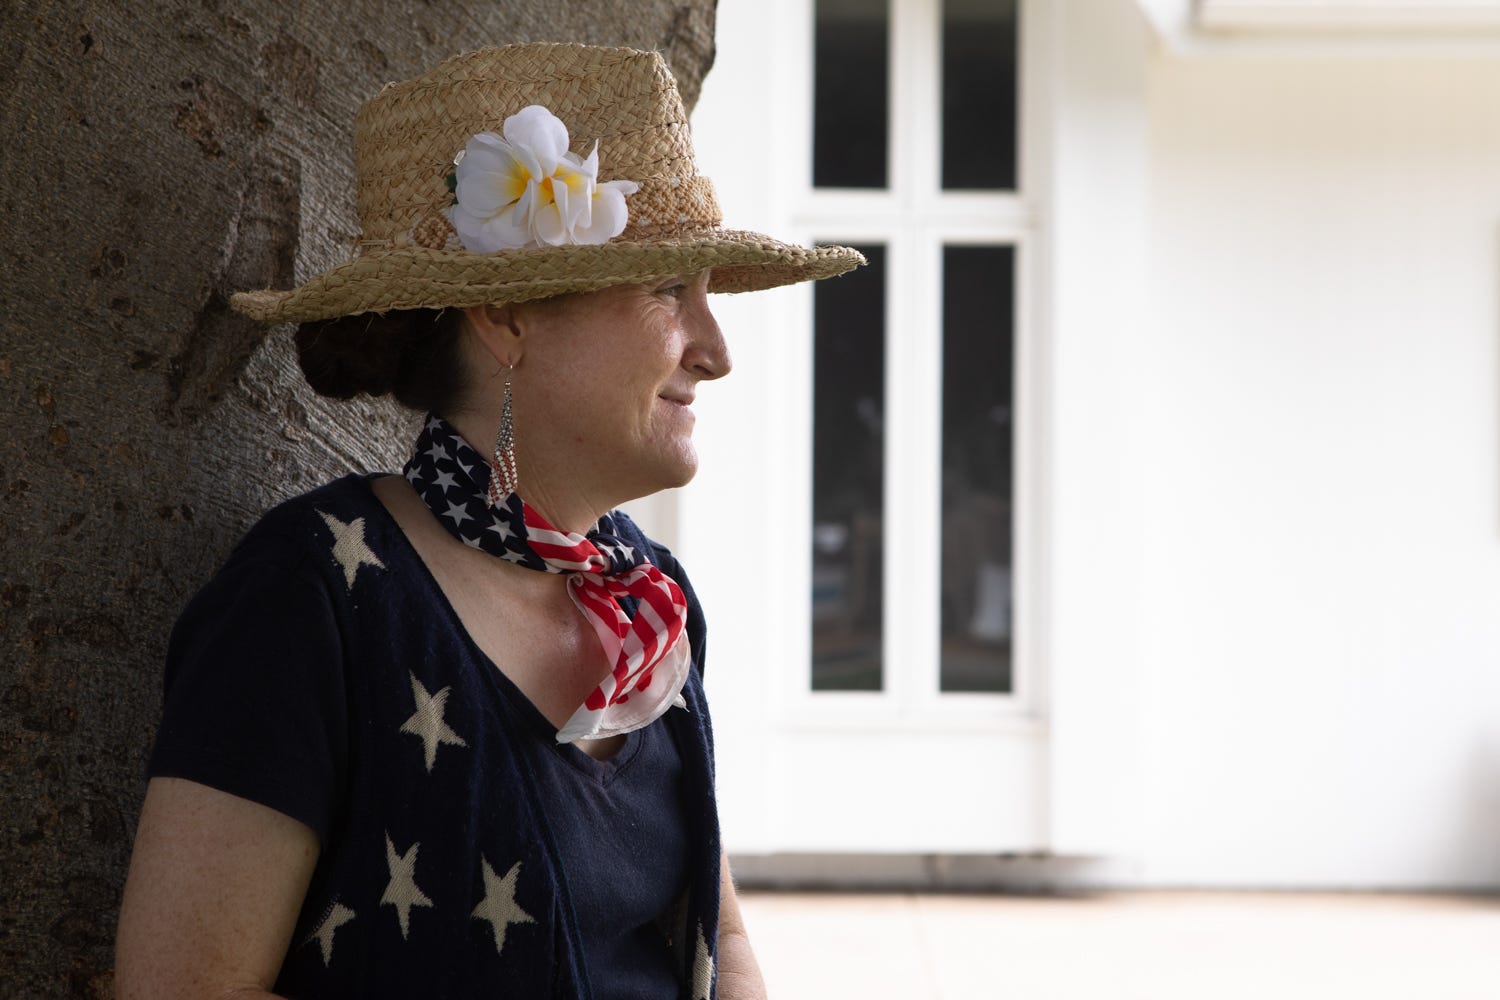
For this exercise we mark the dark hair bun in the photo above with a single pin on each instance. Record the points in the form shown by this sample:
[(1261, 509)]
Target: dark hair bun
[(412, 354)]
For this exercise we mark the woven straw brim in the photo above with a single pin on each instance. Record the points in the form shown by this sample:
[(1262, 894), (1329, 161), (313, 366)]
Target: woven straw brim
[(421, 278)]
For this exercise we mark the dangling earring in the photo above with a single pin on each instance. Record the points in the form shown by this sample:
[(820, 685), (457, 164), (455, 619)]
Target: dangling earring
[(503, 478)]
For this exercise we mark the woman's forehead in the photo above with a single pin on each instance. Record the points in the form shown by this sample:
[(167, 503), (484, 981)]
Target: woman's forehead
[(613, 294)]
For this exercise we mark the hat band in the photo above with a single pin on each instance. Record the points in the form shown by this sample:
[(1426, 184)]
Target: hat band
[(661, 207), (672, 204)]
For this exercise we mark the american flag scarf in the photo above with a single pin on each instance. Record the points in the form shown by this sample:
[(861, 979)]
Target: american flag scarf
[(647, 652)]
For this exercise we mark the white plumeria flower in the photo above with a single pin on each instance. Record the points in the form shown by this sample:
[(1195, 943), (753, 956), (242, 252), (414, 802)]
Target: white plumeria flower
[(525, 189)]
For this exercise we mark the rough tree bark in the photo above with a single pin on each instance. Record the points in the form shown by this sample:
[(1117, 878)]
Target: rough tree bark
[(156, 157)]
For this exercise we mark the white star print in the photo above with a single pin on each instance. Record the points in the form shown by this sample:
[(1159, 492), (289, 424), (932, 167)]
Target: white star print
[(510, 556), (427, 722), (502, 529), (437, 452), (468, 469), (499, 905), (338, 916), (349, 548), (472, 543), (445, 481), (402, 892), (457, 512), (608, 551), (413, 478), (703, 969), (627, 552)]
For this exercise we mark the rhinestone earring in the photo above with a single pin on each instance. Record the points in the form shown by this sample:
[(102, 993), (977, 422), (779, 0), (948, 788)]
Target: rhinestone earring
[(503, 478)]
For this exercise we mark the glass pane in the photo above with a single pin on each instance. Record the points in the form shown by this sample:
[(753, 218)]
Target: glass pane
[(848, 476), (850, 103), (977, 429), (979, 94)]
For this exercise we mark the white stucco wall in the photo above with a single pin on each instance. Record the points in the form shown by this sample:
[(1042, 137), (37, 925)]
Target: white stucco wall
[(1321, 439), (1312, 404)]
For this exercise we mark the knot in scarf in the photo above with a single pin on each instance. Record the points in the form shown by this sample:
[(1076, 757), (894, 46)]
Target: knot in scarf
[(646, 651)]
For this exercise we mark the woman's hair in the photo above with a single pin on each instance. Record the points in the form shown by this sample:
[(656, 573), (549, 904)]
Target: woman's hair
[(411, 354)]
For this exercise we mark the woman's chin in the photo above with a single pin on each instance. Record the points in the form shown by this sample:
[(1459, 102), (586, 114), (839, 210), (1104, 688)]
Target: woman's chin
[(675, 470), (681, 476)]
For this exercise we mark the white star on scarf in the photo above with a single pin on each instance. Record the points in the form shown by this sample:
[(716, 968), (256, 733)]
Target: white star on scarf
[(402, 892), (445, 481), (627, 552), (457, 512), (427, 722), (433, 423), (349, 548), (413, 478), (472, 543), (502, 529), (437, 452), (467, 468), (338, 916), (499, 905)]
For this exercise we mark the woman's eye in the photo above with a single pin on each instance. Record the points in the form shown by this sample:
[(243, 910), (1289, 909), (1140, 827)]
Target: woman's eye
[(674, 289)]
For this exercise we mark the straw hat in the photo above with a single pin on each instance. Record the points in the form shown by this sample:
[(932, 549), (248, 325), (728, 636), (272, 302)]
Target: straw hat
[(411, 191)]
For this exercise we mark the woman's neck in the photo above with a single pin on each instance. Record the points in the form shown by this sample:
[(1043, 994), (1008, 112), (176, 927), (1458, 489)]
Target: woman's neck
[(556, 494)]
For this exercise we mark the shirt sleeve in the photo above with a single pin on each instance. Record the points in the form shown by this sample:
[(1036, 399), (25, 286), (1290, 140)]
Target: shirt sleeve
[(255, 701)]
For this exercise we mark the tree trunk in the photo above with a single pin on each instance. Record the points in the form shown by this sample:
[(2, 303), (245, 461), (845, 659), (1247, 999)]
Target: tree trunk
[(155, 159)]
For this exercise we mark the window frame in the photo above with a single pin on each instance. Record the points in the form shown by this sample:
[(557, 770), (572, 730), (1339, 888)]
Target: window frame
[(915, 219)]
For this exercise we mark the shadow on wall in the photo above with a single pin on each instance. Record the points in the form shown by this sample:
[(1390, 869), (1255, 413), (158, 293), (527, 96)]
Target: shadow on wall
[(1015, 875), (1477, 828), (1495, 391)]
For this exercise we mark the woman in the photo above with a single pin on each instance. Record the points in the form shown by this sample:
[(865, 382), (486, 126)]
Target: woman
[(422, 736)]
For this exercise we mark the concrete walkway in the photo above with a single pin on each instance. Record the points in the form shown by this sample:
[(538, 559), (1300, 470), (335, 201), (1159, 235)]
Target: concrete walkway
[(1127, 946)]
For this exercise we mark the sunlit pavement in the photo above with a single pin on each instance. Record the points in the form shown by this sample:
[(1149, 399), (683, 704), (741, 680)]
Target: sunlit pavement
[(1127, 946)]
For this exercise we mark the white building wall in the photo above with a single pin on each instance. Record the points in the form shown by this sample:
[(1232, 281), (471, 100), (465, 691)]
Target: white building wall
[(1321, 417), (743, 434), (1314, 403)]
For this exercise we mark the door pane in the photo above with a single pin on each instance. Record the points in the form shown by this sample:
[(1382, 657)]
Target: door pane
[(850, 103), (848, 476), (977, 431), (979, 94)]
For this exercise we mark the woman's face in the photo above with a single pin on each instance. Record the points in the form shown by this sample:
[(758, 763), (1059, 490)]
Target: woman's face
[(607, 381)]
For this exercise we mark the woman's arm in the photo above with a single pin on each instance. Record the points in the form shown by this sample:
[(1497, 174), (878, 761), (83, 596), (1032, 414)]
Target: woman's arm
[(739, 973), (215, 886)]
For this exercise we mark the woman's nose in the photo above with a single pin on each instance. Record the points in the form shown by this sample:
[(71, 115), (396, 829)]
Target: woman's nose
[(707, 356)]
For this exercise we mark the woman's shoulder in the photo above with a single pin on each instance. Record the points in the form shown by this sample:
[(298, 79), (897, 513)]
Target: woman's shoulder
[(323, 541), (341, 511), (346, 498)]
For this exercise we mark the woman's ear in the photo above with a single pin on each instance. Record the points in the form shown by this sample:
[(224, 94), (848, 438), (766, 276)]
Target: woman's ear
[(498, 331)]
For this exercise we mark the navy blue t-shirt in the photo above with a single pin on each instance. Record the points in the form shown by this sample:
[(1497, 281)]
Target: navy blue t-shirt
[(620, 827), (323, 673)]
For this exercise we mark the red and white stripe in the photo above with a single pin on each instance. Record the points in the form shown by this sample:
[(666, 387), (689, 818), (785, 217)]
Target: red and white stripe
[(637, 649)]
